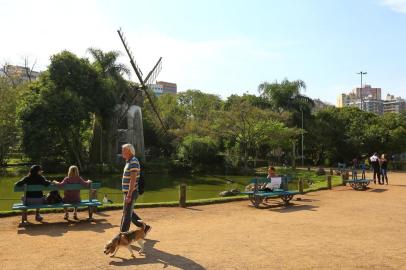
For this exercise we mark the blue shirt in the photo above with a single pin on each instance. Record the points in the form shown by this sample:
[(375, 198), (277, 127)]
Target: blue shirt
[(132, 165)]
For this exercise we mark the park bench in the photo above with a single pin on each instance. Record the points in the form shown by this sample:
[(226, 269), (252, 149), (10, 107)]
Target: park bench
[(358, 184), (258, 196), (91, 203)]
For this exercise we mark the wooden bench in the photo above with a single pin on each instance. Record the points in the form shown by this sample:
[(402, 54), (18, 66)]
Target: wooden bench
[(258, 196), (358, 184), (90, 203)]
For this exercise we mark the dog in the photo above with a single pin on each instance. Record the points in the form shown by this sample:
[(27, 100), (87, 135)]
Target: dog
[(124, 239)]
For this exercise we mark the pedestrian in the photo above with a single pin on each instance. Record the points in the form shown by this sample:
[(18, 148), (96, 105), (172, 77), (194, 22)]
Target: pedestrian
[(354, 168), (374, 160), (129, 185), (384, 169), (363, 168)]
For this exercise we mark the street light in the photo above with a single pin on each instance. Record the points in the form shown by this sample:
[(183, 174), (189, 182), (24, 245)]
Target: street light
[(360, 91), (301, 109)]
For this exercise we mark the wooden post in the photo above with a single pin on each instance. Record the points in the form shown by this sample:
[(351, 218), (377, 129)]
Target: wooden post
[(329, 186), (301, 186), (343, 179), (331, 171), (182, 195)]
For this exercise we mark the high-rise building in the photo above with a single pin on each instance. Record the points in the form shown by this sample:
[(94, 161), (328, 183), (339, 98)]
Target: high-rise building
[(394, 104), (367, 91), (371, 100), (161, 87)]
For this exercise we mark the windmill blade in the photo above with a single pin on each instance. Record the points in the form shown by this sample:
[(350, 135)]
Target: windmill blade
[(153, 74), (165, 128), (134, 65)]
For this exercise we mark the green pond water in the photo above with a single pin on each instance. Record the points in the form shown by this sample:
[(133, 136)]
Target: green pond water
[(159, 188), (162, 188)]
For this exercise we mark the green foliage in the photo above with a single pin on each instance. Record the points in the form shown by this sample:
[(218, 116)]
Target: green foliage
[(56, 114), (9, 95), (197, 151)]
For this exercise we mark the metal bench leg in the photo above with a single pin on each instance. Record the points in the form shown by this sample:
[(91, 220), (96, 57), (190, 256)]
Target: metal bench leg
[(90, 210), (23, 216)]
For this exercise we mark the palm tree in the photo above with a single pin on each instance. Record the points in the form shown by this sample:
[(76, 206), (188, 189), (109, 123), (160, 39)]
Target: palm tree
[(106, 63)]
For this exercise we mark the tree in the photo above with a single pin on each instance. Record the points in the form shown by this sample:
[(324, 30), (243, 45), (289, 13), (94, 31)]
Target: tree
[(56, 114), (248, 129), (111, 73), (9, 95)]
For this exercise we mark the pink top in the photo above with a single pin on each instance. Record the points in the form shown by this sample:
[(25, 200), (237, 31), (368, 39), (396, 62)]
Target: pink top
[(73, 196)]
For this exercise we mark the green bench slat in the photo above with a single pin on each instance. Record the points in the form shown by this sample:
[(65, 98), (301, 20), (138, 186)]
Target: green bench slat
[(269, 194), (358, 181), (20, 206), (54, 187)]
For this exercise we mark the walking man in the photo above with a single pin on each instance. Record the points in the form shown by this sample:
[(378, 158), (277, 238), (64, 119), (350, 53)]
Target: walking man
[(374, 159), (131, 175)]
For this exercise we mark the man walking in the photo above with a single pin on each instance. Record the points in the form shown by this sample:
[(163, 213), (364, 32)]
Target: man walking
[(130, 179), (374, 159)]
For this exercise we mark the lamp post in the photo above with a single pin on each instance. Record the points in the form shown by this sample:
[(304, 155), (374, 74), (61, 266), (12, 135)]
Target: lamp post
[(301, 109), (360, 90)]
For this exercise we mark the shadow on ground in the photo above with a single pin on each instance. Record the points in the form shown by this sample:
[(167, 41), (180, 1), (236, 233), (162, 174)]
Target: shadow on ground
[(156, 256), (378, 190), (56, 229)]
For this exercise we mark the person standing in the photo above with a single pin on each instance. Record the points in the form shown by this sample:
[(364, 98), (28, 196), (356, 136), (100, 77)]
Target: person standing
[(129, 182), (374, 160), (384, 169)]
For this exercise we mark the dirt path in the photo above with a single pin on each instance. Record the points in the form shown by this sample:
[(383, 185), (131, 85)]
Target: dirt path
[(338, 229)]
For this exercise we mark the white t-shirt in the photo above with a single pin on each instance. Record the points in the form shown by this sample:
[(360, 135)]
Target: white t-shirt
[(274, 182)]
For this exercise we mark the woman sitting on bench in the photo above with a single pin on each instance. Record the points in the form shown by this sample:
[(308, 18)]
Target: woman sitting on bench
[(72, 196), (34, 177)]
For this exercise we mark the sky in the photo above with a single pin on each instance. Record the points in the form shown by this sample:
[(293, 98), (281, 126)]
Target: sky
[(223, 47)]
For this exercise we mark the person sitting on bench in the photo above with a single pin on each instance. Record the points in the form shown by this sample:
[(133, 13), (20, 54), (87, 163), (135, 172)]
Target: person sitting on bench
[(34, 177), (72, 196)]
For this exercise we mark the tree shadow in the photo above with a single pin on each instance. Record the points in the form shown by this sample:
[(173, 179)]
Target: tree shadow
[(56, 229), (156, 256)]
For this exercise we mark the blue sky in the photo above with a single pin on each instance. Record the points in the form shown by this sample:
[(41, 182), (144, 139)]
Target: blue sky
[(224, 47)]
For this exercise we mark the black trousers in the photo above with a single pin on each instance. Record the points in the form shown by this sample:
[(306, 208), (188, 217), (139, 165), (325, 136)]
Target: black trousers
[(377, 174), (129, 215)]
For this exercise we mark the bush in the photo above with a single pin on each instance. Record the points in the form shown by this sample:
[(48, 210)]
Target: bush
[(197, 151)]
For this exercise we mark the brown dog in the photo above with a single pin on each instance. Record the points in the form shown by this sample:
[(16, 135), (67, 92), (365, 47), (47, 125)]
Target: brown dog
[(124, 239)]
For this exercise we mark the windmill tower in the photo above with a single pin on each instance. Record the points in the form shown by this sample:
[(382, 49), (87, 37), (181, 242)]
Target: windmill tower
[(128, 117)]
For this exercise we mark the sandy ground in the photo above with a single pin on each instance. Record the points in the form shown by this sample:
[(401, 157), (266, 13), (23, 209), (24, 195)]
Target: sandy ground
[(337, 229)]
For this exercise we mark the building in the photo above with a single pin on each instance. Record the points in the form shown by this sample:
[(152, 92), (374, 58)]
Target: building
[(161, 87), (370, 104), (18, 74), (366, 98), (320, 105), (367, 91), (393, 104)]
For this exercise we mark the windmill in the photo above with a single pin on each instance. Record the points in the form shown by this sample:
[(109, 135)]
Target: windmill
[(149, 79)]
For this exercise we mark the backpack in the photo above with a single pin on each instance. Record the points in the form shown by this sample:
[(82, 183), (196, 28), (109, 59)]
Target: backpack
[(141, 184), (53, 197)]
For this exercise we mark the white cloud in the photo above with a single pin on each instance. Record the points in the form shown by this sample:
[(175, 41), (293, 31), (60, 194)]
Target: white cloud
[(396, 5)]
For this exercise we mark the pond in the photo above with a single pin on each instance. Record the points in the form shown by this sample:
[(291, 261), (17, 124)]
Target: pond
[(159, 188)]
